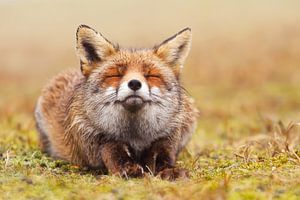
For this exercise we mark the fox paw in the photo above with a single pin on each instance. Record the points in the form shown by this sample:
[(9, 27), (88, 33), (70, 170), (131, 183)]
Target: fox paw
[(172, 174), (132, 170)]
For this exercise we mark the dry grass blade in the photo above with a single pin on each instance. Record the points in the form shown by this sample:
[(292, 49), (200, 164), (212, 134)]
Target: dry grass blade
[(7, 158), (291, 138), (282, 139)]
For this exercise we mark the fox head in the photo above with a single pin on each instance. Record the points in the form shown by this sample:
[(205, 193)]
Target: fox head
[(132, 82)]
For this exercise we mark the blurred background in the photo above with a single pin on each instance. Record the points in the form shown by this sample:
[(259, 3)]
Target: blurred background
[(244, 65)]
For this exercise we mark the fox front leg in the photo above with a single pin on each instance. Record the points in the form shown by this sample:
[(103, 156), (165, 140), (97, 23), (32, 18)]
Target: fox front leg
[(118, 160), (160, 159)]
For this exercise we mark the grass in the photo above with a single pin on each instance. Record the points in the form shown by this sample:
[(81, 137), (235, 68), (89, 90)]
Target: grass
[(243, 72), (234, 154)]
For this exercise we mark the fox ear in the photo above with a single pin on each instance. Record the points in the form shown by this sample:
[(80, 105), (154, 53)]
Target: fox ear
[(175, 49), (92, 48)]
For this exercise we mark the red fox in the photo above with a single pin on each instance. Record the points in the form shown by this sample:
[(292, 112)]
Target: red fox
[(125, 112)]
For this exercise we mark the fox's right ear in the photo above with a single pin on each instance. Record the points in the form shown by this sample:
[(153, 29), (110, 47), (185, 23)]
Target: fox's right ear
[(92, 48), (175, 49)]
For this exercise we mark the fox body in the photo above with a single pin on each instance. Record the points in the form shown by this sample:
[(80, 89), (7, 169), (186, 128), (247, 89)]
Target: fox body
[(125, 112)]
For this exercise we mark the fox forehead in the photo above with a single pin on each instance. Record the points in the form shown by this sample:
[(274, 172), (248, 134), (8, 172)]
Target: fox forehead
[(130, 60), (136, 60)]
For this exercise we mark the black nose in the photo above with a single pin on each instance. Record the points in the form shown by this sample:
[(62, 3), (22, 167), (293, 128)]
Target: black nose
[(134, 84)]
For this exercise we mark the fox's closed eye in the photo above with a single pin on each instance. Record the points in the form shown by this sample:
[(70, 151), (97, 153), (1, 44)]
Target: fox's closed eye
[(152, 76), (114, 76)]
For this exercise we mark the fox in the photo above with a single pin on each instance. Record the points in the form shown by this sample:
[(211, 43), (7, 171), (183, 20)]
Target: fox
[(124, 112)]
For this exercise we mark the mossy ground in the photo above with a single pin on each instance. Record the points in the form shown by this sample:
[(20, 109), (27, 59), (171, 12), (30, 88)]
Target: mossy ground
[(222, 157)]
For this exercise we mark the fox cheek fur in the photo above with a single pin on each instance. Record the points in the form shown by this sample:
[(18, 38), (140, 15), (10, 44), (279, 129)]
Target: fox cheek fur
[(125, 112)]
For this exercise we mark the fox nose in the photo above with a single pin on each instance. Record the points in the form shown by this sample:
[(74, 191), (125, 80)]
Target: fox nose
[(134, 84)]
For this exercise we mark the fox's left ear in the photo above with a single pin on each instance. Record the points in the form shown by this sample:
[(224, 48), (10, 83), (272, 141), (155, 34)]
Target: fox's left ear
[(92, 48), (175, 49)]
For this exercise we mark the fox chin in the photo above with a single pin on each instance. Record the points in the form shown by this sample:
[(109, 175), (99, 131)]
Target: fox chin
[(124, 112)]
